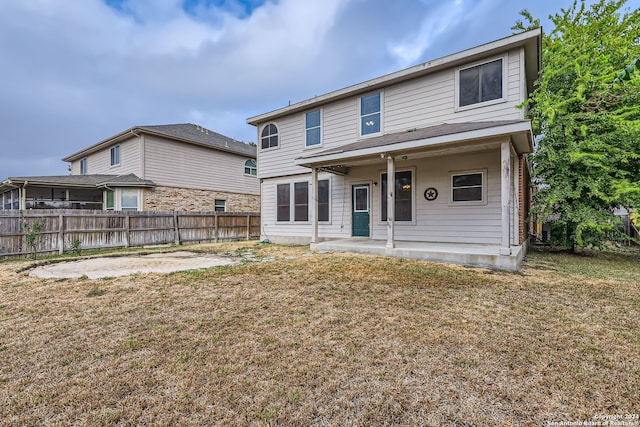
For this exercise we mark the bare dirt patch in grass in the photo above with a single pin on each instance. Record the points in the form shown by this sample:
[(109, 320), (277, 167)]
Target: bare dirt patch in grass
[(100, 267), (322, 339)]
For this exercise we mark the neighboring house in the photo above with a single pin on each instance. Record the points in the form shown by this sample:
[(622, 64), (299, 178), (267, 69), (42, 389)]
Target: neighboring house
[(451, 134), (181, 167)]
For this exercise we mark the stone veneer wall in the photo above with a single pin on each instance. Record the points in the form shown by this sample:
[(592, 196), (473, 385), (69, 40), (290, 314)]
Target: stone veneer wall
[(192, 200)]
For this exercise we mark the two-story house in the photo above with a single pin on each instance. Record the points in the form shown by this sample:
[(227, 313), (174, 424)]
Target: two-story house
[(178, 167), (427, 162)]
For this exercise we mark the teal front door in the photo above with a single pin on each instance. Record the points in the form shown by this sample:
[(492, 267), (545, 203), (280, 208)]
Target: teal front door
[(360, 214)]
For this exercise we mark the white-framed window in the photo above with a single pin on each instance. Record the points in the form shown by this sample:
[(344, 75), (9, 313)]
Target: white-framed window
[(110, 200), (115, 155), (324, 207), (313, 132), (371, 114), (404, 195), (292, 202), (269, 137), (468, 187), (83, 166), (301, 201), (129, 199), (283, 202), (220, 205), (250, 167), (481, 84)]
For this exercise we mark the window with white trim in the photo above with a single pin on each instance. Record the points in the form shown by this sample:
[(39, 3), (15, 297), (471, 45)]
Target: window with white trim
[(292, 202), (370, 114), (323, 200), (110, 202), (115, 155), (129, 199), (468, 187), (301, 201), (83, 166), (312, 128), (283, 202), (269, 136), (220, 205), (480, 83), (250, 167), (403, 196)]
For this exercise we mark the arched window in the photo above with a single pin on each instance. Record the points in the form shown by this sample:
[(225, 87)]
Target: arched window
[(269, 136), (250, 168)]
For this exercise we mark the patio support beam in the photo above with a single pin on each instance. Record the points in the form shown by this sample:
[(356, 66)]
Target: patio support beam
[(314, 212), (22, 194), (505, 195), (391, 197)]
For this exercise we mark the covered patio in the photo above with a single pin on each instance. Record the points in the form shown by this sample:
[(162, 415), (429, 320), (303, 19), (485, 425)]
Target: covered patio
[(509, 138), (478, 255)]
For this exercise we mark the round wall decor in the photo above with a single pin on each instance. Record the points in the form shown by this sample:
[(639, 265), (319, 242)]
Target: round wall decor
[(430, 194)]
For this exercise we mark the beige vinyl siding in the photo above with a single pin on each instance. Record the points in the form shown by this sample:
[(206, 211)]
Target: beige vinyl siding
[(434, 221), (431, 100), (439, 220), (176, 164), (421, 102), (341, 121), (278, 161), (100, 162)]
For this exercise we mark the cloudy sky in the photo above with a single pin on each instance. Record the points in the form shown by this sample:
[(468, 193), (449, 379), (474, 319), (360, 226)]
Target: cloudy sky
[(73, 73)]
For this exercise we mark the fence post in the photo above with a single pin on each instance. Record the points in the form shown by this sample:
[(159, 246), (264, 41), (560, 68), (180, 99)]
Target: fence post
[(61, 234), (215, 222), (176, 229), (248, 226), (127, 227)]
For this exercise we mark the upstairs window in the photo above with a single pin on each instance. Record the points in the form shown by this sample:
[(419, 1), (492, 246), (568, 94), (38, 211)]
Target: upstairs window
[(480, 83), (250, 167), (312, 126), (115, 155), (370, 114), (269, 136), (83, 166)]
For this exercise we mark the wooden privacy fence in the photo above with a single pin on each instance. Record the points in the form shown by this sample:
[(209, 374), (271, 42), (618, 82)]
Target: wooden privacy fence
[(65, 230)]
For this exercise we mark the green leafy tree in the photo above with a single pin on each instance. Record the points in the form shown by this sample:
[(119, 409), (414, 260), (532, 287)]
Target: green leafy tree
[(587, 119)]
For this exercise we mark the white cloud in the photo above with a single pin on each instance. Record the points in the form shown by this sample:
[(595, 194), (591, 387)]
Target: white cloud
[(76, 72), (435, 22)]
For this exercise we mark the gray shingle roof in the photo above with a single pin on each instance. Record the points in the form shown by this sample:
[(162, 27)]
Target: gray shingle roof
[(415, 135), (202, 135), (184, 132)]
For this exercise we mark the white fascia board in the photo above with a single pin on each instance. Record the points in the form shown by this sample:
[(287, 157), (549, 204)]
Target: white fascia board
[(417, 144)]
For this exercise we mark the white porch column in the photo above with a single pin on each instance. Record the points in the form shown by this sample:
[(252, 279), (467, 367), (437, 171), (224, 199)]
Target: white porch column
[(314, 212), (22, 194), (391, 197), (505, 194)]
